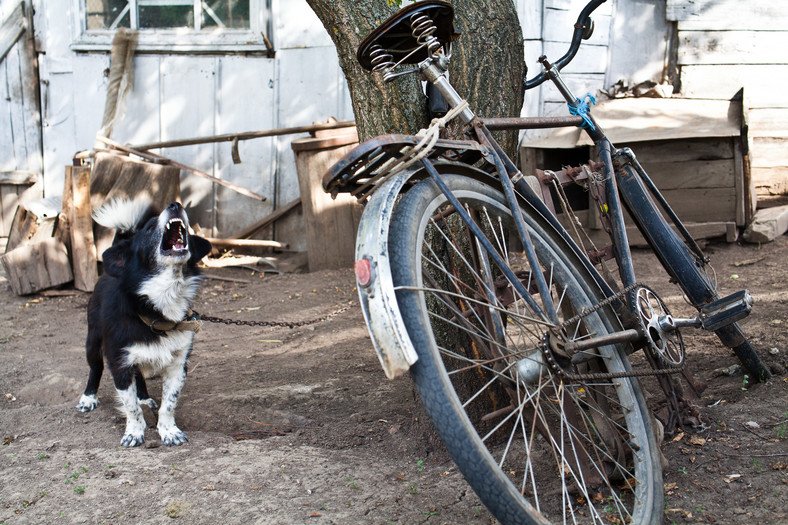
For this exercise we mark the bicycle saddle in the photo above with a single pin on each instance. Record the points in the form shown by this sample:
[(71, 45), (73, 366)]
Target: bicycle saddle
[(395, 34)]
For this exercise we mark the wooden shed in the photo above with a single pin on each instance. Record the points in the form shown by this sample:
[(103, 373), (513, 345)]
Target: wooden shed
[(694, 151)]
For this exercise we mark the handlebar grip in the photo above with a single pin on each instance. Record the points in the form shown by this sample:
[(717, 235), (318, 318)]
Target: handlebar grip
[(574, 45)]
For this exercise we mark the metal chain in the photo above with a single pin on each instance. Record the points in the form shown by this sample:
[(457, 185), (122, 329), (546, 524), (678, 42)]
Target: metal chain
[(285, 324), (588, 311), (603, 375)]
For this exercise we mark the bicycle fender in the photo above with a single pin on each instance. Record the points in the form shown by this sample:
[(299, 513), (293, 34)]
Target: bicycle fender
[(374, 283)]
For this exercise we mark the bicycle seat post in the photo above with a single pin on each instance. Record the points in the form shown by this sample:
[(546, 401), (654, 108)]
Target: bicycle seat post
[(432, 72)]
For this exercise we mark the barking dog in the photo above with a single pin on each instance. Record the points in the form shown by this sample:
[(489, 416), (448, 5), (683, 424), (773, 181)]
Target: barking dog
[(139, 314)]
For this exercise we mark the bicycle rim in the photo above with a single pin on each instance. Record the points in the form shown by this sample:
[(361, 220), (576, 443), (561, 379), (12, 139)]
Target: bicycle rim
[(534, 445)]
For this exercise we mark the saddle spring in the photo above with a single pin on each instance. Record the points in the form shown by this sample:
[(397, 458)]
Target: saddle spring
[(380, 58), (423, 29)]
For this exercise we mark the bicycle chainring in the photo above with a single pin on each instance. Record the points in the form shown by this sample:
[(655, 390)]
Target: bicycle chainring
[(664, 341)]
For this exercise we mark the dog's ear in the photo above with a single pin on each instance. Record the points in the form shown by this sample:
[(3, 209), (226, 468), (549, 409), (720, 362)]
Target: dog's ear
[(115, 258), (199, 247)]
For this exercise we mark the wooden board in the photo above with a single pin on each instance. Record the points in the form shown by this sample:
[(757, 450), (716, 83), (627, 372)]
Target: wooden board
[(37, 266), (723, 81), (732, 47), (77, 210), (33, 222), (331, 224), (726, 15)]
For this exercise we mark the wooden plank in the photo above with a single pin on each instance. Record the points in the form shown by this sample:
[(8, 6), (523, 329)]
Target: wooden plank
[(727, 14), (267, 220), (331, 224), (723, 81), (645, 119), (743, 209), (12, 29), (258, 168), (732, 47), (589, 59), (691, 174), (34, 222), (37, 266), (77, 210), (716, 148), (559, 27), (768, 122), (770, 181), (768, 152), (530, 15), (9, 196), (18, 177), (703, 204)]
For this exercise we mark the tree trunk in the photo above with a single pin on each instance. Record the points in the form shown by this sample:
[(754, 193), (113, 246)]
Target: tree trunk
[(487, 66)]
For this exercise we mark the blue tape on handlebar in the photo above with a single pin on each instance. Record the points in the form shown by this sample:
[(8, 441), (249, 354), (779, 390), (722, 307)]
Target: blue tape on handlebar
[(581, 110)]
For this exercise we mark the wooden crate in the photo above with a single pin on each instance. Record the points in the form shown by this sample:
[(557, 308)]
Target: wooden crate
[(331, 224), (692, 150)]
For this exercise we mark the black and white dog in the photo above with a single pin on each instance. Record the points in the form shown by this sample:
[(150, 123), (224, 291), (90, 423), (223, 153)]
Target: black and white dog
[(139, 314)]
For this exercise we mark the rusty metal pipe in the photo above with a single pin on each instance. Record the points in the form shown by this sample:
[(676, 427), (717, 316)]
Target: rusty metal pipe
[(532, 122)]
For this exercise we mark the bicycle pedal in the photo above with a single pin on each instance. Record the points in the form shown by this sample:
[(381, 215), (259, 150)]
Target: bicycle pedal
[(725, 311)]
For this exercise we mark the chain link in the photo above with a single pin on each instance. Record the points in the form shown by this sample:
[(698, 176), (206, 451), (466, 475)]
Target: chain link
[(284, 324)]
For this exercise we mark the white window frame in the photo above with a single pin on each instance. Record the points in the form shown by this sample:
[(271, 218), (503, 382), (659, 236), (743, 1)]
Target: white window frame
[(258, 38)]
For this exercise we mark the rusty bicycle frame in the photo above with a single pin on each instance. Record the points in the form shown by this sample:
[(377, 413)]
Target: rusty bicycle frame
[(381, 169)]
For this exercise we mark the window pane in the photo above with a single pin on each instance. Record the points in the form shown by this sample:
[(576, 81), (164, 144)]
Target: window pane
[(232, 14), (107, 14), (160, 16)]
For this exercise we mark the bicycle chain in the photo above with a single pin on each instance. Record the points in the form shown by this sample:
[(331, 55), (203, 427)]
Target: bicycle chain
[(283, 324), (558, 370)]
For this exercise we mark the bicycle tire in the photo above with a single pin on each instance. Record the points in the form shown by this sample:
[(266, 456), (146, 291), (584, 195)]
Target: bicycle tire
[(585, 450)]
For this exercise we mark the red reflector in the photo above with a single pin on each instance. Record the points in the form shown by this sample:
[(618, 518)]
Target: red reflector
[(363, 270)]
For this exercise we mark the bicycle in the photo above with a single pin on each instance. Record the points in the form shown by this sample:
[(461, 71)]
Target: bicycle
[(520, 347)]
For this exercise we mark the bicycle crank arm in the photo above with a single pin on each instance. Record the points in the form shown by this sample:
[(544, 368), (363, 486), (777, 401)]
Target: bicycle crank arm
[(713, 316)]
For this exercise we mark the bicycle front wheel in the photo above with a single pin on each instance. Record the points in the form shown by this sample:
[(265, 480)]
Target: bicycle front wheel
[(539, 436)]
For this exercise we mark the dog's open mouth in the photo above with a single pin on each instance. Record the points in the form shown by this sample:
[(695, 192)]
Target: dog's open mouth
[(173, 241)]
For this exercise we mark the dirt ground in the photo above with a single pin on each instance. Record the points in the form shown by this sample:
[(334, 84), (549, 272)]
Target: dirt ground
[(300, 425)]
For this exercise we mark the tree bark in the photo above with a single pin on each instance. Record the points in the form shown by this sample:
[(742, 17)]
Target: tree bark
[(487, 66)]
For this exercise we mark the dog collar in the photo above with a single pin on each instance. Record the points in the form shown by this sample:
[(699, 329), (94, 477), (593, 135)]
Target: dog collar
[(191, 323)]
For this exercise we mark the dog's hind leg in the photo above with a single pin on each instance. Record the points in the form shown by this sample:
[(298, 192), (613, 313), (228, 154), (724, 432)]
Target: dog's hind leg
[(89, 399), (142, 391), (130, 406)]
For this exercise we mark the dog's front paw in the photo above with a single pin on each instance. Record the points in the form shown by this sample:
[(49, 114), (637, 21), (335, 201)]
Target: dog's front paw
[(132, 440), (87, 403), (172, 436)]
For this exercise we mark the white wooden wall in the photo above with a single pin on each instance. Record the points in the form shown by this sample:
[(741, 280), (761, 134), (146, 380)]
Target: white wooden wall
[(183, 96), (20, 127), (726, 45), (629, 43)]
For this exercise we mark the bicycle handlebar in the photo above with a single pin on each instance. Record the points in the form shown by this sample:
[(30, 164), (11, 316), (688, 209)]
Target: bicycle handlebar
[(577, 37)]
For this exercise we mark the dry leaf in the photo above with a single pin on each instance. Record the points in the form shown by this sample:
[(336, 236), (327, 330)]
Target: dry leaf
[(697, 440)]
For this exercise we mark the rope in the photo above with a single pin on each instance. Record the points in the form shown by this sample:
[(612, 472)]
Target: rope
[(581, 110), (412, 155)]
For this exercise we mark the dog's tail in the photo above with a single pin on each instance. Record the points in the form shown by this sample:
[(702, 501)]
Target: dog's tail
[(124, 215)]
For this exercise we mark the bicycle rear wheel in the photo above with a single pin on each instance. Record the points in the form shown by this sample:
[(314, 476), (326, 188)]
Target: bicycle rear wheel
[(537, 442)]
